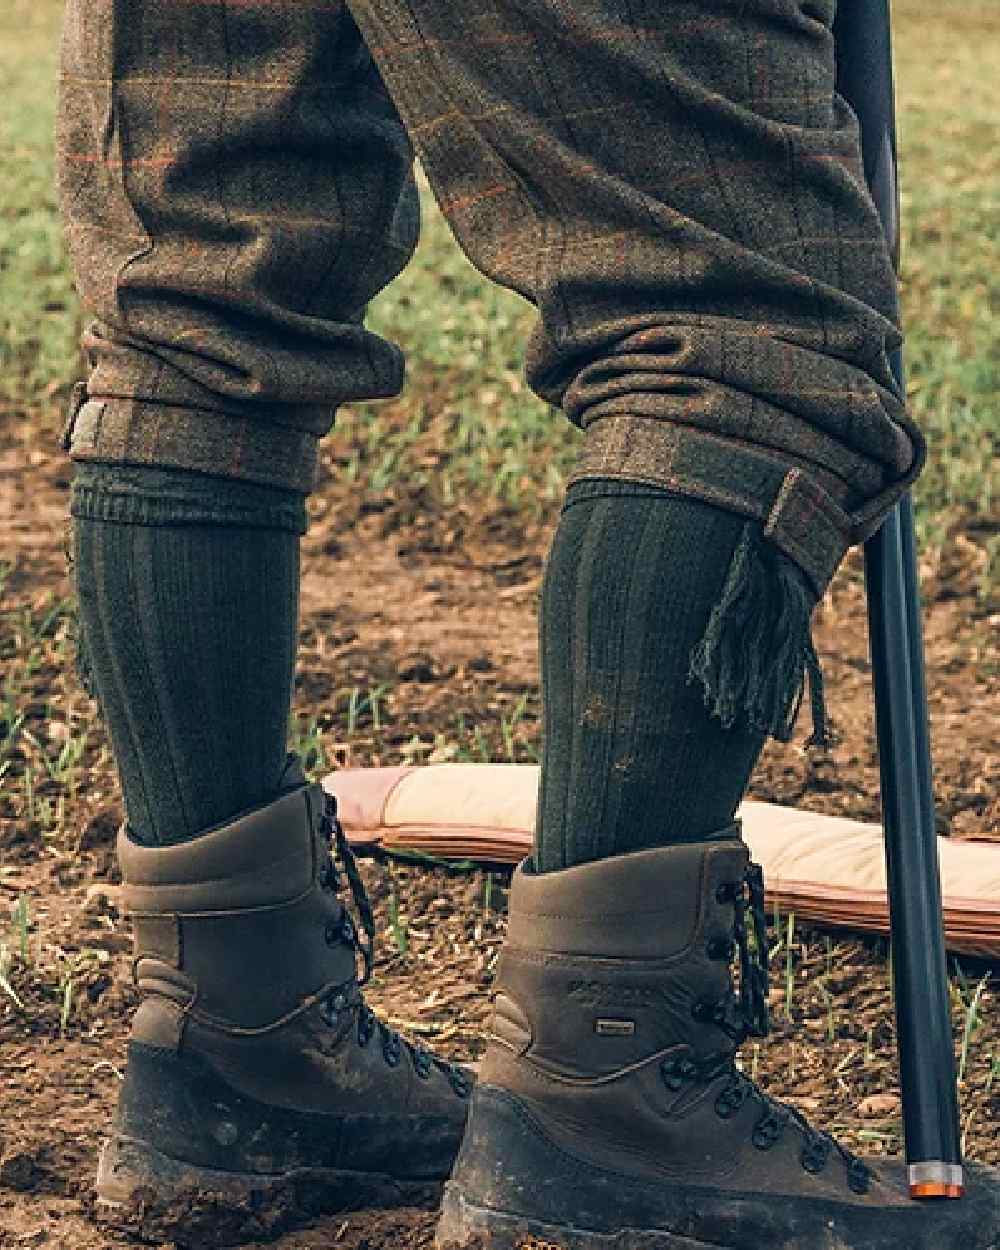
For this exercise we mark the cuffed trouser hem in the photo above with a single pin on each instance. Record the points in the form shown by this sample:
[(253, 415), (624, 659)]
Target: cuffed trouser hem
[(802, 511), (134, 431)]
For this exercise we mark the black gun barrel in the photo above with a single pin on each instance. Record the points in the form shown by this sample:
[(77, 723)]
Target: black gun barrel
[(920, 973)]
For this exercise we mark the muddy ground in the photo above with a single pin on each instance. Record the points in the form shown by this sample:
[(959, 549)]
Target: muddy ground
[(439, 608)]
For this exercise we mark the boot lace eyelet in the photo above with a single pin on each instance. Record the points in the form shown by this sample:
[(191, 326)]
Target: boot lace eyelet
[(331, 934), (677, 1072), (767, 1130), (814, 1155), (726, 893), (392, 1053), (719, 949), (460, 1083), (670, 1075), (333, 1005), (702, 1009), (731, 1099), (423, 1064)]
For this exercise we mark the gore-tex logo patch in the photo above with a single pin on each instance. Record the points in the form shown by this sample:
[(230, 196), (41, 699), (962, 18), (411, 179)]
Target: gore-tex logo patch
[(614, 1028), (592, 992)]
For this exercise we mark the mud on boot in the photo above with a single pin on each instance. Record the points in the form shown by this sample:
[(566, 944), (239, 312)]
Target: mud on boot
[(610, 1113), (257, 1076)]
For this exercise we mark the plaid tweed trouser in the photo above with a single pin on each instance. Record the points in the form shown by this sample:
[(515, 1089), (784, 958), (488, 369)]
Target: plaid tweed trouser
[(675, 185)]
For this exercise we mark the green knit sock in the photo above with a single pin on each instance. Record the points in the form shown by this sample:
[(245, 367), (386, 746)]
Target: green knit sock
[(188, 600), (632, 758)]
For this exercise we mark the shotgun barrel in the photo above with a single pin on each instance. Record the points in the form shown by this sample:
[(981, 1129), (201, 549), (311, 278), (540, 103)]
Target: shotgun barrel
[(920, 973)]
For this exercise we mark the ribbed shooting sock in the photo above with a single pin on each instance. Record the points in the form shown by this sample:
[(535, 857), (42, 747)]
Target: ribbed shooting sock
[(188, 600), (632, 757)]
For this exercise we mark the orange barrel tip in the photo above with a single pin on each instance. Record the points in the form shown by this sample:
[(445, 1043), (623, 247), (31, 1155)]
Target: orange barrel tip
[(936, 1190), (932, 1179)]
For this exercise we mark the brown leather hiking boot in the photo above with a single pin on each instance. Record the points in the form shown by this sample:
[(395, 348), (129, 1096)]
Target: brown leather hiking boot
[(254, 1065), (609, 1113)]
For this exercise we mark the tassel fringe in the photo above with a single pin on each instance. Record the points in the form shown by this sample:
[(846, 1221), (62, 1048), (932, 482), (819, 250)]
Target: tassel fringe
[(757, 650)]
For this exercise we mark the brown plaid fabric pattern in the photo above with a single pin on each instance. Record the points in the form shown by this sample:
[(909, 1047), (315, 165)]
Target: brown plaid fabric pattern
[(675, 185)]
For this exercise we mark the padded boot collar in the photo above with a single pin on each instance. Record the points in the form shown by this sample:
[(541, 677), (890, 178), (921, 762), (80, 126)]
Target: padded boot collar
[(264, 856), (643, 905), (240, 928)]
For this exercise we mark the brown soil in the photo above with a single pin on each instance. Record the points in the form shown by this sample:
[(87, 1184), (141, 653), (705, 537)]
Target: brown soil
[(439, 608)]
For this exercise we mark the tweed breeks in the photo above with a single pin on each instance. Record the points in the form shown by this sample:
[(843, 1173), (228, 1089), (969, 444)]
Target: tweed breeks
[(675, 186)]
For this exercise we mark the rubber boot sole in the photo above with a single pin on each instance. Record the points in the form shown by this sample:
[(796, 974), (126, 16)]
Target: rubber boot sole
[(463, 1224), (148, 1194)]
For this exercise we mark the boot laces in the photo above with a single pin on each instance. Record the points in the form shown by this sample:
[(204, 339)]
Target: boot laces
[(330, 879), (746, 1015), (349, 994)]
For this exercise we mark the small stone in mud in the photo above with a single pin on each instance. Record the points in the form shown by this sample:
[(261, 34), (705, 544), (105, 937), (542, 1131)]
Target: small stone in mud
[(418, 666)]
